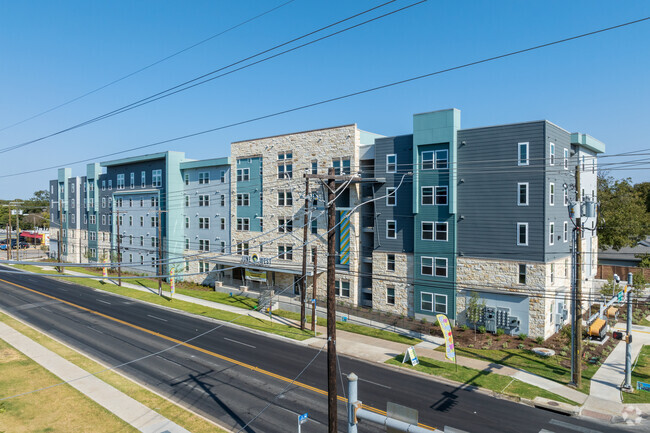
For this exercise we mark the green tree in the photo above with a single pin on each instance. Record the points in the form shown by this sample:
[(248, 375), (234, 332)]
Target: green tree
[(623, 219), (643, 188), (645, 260), (474, 311)]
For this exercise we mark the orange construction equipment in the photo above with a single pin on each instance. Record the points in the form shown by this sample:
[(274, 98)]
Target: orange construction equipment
[(598, 329)]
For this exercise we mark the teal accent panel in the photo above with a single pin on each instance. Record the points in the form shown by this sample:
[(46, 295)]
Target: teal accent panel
[(588, 141), (174, 223), (205, 163), (435, 131), (366, 137), (253, 187)]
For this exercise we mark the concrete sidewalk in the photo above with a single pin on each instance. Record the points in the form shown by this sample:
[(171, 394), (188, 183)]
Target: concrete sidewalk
[(131, 411)]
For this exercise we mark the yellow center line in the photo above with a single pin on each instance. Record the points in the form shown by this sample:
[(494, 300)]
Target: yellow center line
[(200, 349)]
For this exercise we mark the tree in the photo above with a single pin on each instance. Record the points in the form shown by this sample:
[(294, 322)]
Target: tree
[(643, 188), (475, 310), (623, 219), (645, 260)]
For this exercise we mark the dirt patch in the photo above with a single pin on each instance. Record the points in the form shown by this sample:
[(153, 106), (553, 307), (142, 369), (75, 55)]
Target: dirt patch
[(9, 355)]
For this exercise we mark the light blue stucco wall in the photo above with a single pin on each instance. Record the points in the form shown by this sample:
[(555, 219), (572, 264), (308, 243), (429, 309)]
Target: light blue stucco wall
[(253, 187)]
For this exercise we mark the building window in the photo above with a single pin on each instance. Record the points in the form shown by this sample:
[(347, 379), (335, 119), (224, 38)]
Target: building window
[(441, 267), (342, 288), (285, 252), (390, 262), (551, 192), (204, 223), (154, 221), (156, 178), (391, 163), (441, 195), (141, 221), (442, 159), (222, 176), (285, 225), (283, 156), (120, 181), (522, 194), (187, 244), (566, 196), (426, 266), (426, 301), (551, 233), (243, 224), (130, 220), (103, 185), (427, 231), (92, 219), (72, 188), (204, 177), (441, 232), (341, 166), (223, 224), (552, 272), (204, 200), (551, 151), (243, 174), (427, 195), (427, 160), (391, 197), (132, 180), (314, 226), (522, 273), (440, 304), (566, 232), (522, 234), (243, 199), (390, 295), (522, 156), (154, 202), (566, 159), (143, 179), (391, 229), (187, 178), (110, 184), (242, 248), (141, 241), (204, 244), (223, 200), (103, 202), (285, 198), (285, 170), (130, 239), (93, 236), (154, 242), (72, 218), (314, 167)]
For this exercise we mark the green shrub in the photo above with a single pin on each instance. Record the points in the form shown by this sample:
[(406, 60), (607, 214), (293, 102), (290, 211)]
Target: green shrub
[(563, 353), (500, 331), (464, 327), (523, 336), (505, 345), (471, 346), (481, 329), (520, 346), (539, 340)]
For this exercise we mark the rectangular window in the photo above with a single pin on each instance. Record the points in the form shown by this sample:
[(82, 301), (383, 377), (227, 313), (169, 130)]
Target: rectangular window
[(522, 273), (243, 224), (440, 306), (141, 221), (427, 231), (243, 174), (187, 223), (285, 225), (522, 156), (442, 159), (223, 224), (154, 221), (204, 200), (285, 198), (522, 194), (426, 266), (103, 202), (551, 156), (551, 194), (441, 267), (566, 196), (187, 201), (130, 239), (283, 156), (441, 195), (132, 180), (130, 220), (93, 236), (72, 187), (285, 170), (204, 223), (341, 166), (143, 179), (204, 177), (222, 176), (390, 295), (566, 159), (223, 200), (426, 301), (156, 178), (187, 178), (154, 242), (391, 197), (552, 272), (141, 241), (92, 219), (551, 233), (391, 163), (441, 232), (342, 288), (427, 195), (565, 235), (204, 244), (427, 160), (103, 185), (72, 218), (314, 226), (243, 199), (285, 252), (120, 181), (522, 234), (120, 219), (154, 202), (314, 167), (391, 230), (390, 262)]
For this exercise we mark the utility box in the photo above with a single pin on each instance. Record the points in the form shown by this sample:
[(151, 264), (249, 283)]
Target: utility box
[(491, 319)]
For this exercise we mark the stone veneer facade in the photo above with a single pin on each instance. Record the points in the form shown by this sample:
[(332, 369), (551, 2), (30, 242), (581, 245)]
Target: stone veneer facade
[(398, 279), (322, 145)]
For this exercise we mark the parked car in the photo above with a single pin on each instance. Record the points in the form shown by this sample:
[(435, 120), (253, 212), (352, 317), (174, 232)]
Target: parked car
[(24, 245)]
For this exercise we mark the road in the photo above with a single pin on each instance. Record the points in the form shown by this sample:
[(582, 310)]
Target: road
[(231, 374)]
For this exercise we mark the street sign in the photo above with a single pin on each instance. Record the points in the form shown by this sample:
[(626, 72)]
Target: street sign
[(313, 301), (620, 296), (411, 356), (172, 282), (302, 419), (642, 386)]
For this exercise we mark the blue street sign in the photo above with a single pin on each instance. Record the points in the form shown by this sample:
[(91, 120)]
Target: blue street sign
[(642, 386), (303, 418), (313, 301)]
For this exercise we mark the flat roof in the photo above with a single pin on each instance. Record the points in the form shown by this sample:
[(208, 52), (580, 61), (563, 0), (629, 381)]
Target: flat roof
[(295, 133), (135, 159)]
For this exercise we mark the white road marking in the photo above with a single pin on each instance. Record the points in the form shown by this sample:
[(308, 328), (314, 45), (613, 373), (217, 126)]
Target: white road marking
[(155, 317), (572, 427), (239, 342), (105, 302), (369, 381), (96, 330), (545, 431)]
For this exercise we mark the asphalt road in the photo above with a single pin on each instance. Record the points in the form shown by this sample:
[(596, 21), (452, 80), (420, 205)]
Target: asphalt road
[(231, 374)]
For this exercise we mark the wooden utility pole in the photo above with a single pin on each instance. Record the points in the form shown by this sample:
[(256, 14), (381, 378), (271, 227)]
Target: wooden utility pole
[(119, 249), (577, 312), (58, 244), (303, 280), (8, 242), (313, 292), (17, 234), (160, 251)]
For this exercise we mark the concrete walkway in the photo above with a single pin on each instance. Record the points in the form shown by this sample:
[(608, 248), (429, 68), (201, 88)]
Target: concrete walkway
[(131, 411)]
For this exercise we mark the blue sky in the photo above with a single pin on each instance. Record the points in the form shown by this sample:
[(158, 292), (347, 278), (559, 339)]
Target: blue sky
[(55, 51)]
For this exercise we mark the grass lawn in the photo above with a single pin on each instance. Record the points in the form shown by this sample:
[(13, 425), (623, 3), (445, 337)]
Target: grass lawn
[(58, 406), (549, 368), (249, 322), (49, 409), (482, 379), (357, 329), (641, 372)]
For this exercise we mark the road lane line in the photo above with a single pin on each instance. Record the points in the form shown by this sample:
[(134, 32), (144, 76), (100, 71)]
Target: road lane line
[(204, 351), (156, 317), (573, 427), (239, 342), (105, 302)]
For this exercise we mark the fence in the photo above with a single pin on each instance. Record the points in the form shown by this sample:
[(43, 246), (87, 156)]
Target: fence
[(606, 272)]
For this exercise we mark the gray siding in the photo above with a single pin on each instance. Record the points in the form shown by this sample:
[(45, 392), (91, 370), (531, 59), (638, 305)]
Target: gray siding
[(488, 174), (402, 146)]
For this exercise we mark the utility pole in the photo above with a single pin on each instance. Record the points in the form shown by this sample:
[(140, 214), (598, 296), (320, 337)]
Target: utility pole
[(303, 281), (331, 305), (58, 244), (576, 357), (627, 386), (313, 292), (119, 250), (17, 234), (160, 251), (8, 242)]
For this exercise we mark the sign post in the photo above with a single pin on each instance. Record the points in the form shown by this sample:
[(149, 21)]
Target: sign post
[(172, 283), (411, 356), (450, 352), (104, 272), (302, 419)]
